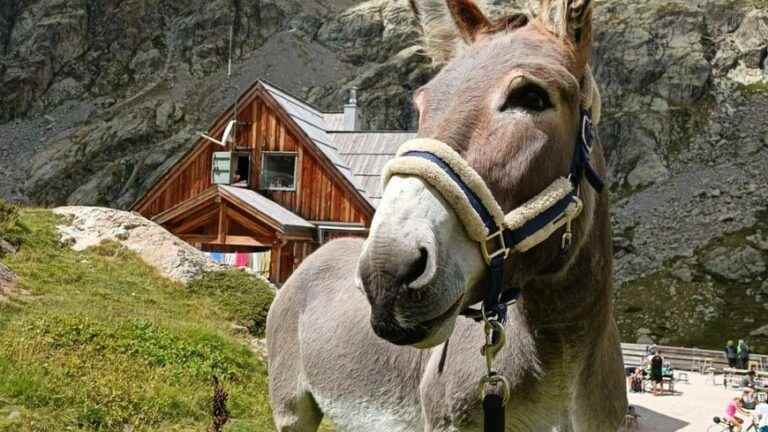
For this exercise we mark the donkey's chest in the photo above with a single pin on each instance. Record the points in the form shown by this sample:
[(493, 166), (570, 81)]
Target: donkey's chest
[(353, 413)]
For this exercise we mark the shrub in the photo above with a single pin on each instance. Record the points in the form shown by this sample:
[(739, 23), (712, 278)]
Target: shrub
[(11, 228), (244, 297)]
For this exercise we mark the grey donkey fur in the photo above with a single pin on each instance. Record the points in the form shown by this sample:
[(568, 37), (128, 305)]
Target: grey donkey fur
[(562, 355)]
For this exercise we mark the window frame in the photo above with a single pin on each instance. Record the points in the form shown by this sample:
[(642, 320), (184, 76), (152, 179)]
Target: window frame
[(295, 155)]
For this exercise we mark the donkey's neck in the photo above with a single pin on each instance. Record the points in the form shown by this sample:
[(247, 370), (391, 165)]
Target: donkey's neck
[(579, 299)]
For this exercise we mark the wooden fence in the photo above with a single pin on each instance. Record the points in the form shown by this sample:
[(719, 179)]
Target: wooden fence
[(685, 358)]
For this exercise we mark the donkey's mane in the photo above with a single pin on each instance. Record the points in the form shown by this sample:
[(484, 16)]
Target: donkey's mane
[(508, 23)]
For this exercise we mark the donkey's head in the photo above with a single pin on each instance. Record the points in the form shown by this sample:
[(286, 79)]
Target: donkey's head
[(508, 101)]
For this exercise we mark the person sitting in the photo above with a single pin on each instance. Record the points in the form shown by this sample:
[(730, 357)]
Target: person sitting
[(732, 410), (636, 381), (748, 400), (657, 378), (749, 380), (761, 415)]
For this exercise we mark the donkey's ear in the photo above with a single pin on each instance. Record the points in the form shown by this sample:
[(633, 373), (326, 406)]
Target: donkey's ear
[(445, 24), (571, 19)]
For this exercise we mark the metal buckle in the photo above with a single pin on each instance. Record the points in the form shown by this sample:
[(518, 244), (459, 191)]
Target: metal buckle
[(495, 380), (496, 252), (586, 127)]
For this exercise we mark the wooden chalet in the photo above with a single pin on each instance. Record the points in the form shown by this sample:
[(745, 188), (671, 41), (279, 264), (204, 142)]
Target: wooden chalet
[(283, 180)]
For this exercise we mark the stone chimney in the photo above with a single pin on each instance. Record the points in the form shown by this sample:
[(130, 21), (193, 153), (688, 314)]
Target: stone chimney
[(352, 112)]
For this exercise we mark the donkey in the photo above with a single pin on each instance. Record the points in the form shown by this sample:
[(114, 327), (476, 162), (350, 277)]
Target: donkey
[(370, 333)]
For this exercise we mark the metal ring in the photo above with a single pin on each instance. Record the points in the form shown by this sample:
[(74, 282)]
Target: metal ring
[(494, 381)]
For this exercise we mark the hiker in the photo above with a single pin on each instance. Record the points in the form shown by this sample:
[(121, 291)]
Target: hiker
[(742, 352), (730, 353), (657, 363)]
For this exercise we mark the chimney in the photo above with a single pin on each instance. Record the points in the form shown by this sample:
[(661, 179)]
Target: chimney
[(351, 112)]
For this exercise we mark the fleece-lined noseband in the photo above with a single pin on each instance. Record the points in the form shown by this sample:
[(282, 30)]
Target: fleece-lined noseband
[(498, 234)]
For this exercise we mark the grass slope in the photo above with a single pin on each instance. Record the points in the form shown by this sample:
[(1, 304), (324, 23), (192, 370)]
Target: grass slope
[(106, 344)]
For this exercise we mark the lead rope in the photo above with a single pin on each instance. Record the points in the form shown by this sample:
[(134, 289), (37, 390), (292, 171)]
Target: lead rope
[(456, 179), (494, 387)]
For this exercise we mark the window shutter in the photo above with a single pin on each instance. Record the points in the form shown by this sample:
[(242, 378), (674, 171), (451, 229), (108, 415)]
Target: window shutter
[(221, 172)]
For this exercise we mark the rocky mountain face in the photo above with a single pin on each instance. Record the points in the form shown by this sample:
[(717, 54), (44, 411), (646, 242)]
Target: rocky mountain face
[(98, 98)]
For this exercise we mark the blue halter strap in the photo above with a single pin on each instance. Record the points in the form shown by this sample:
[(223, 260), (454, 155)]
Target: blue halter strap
[(496, 298)]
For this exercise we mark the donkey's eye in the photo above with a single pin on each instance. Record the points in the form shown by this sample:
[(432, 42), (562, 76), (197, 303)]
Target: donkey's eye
[(529, 97)]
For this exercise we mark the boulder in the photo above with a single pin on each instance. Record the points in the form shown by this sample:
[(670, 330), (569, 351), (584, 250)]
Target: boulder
[(649, 170), (743, 264), (171, 256), (6, 248), (759, 241), (682, 273), (751, 38), (762, 331)]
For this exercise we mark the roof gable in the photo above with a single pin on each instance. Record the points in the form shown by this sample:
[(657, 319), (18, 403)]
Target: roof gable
[(312, 122)]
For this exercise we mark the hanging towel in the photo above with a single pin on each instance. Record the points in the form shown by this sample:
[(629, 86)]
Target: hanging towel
[(241, 259), (217, 257)]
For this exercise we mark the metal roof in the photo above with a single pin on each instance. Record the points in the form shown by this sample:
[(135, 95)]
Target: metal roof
[(312, 122), (264, 205), (367, 153), (334, 121)]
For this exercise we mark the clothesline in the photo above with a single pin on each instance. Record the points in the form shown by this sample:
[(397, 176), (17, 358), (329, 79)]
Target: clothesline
[(259, 262)]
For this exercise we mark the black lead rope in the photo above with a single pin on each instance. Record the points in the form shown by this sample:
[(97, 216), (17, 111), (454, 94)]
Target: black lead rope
[(493, 413), (496, 298)]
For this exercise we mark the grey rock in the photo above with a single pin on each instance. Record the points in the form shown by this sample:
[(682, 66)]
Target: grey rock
[(759, 241), (6, 248), (120, 233), (682, 273), (738, 265), (14, 416), (752, 37), (164, 116), (6, 275), (762, 331), (650, 169), (644, 336)]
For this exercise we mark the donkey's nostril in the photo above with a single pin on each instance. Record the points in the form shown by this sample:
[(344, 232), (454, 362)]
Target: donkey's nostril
[(416, 268)]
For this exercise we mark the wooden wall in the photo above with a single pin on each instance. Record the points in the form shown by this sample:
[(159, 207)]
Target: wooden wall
[(319, 195), (188, 181)]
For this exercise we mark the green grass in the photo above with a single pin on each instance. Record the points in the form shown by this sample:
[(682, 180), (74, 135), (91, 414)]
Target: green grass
[(104, 342)]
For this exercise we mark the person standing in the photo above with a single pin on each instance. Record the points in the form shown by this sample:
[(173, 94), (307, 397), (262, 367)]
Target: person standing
[(742, 352), (657, 377), (730, 354)]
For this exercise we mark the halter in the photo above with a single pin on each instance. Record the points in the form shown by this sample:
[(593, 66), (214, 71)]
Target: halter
[(498, 234)]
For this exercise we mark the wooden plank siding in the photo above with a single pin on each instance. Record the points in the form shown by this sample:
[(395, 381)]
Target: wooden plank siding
[(318, 195), (182, 199)]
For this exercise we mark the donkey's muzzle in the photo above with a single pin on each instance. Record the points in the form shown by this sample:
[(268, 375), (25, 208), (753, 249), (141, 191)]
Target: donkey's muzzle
[(395, 269)]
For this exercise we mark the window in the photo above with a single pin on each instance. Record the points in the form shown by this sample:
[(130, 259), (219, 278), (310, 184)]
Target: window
[(242, 170), (278, 171), (231, 168)]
